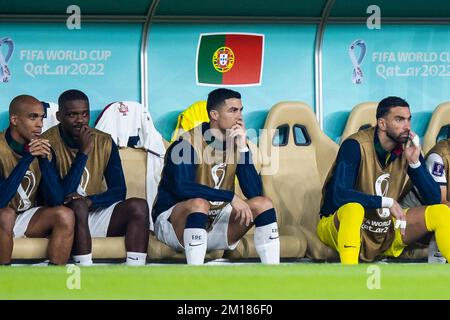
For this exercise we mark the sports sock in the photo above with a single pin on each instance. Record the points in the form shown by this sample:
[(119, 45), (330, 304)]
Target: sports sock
[(136, 258), (83, 260), (437, 219), (195, 238), (267, 240), (350, 217)]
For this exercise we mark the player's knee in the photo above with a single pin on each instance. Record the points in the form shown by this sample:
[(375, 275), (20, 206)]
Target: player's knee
[(352, 212), (137, 204), (439, 209), (7, 219), (260, 204), (436, 215), (63, 218), (197, 205), (138, 210), (80, 209)]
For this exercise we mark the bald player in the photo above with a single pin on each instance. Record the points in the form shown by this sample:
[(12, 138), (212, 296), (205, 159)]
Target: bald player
[(25, 169)]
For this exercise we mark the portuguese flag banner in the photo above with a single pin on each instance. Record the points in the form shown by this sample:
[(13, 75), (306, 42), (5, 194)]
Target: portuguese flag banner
[(230, 59)]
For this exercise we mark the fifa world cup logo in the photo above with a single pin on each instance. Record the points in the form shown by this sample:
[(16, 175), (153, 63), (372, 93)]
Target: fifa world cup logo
[(357, 75), (5, 73), (81, 190), (381, 189), (25, 190), (218, 174)]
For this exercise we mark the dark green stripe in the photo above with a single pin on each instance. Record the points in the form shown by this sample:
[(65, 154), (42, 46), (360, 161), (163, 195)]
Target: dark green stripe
[(206, 71)]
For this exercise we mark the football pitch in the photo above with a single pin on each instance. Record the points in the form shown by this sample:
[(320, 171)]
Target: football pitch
[(232, 281)]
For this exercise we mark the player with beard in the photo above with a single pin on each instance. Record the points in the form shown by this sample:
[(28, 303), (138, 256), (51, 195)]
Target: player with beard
[(360, 215)]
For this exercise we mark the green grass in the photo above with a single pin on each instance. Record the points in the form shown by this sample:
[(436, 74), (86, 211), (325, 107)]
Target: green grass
[(248, 281)]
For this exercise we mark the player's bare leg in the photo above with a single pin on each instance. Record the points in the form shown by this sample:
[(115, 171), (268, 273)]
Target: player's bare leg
[(57, 223), (131, 218), (7, 219), (82, 242)]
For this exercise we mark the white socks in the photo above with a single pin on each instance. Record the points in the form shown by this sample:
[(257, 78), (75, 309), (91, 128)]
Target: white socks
[(195, 245), (83, 260), (434, 256), (136, 258), (267, 243)]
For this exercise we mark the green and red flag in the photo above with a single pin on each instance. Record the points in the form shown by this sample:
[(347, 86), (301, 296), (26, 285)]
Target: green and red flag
[(230, 59)]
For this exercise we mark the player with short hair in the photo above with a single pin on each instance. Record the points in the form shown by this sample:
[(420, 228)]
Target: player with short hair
[(196, 208), (85, 158), (360, 208), (25, 169)]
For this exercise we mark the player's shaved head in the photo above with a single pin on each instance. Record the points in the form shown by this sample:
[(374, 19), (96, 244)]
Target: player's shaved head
[(26, 115), (21, 103), (71, 95)]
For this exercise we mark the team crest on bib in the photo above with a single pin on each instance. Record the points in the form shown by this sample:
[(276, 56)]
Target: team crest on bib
[(25, 190), (223, 59), (381, 189), (438, 169)]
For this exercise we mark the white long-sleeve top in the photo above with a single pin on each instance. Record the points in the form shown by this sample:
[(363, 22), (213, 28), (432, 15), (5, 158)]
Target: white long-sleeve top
[(126, 119)]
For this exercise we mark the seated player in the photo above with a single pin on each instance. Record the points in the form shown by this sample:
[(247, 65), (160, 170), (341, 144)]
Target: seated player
[(25, 168), (196, 208), (360, 215), (437, 162), (84, 158)]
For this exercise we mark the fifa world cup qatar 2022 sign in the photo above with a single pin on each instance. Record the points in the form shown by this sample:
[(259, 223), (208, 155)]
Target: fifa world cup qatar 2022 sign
[(64, 62)]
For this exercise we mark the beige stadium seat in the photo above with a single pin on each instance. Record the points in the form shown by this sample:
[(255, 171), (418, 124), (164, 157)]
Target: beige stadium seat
[(293, 174), (439, 120), (362, 116), (28, 248)]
